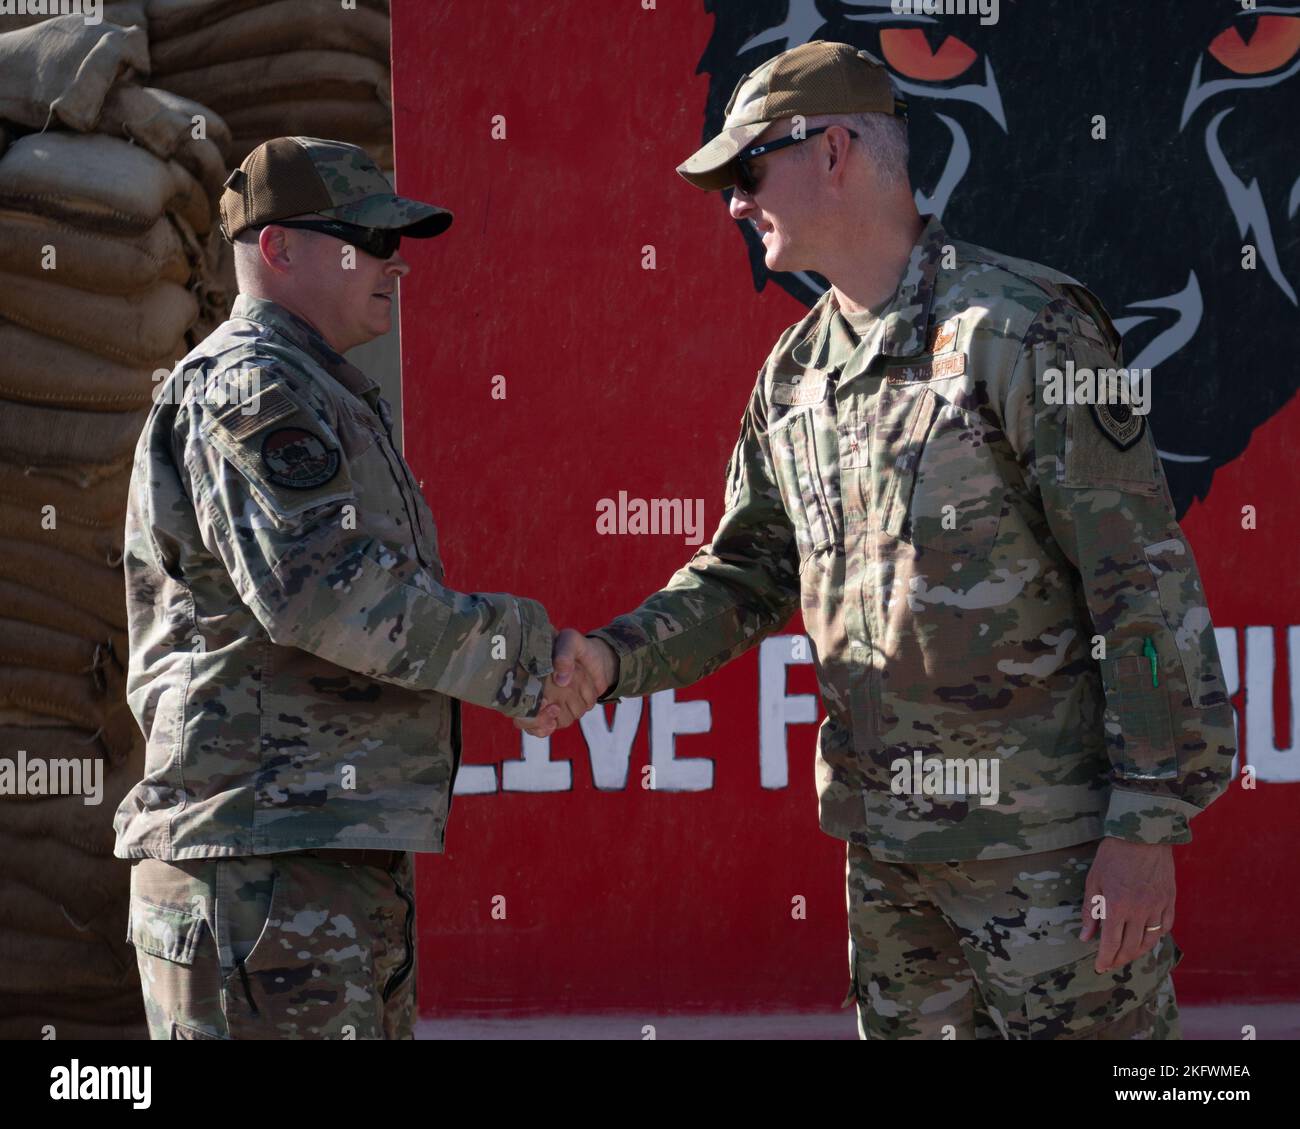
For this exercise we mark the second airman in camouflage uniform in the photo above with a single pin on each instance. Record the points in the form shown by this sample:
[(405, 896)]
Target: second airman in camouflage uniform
[(991, 580), (297, 661)]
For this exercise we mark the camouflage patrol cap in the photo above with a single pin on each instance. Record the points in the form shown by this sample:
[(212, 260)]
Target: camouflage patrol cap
[(291, 176), (814, 78)]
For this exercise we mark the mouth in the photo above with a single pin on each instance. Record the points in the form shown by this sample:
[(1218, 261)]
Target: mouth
[(384, 296)]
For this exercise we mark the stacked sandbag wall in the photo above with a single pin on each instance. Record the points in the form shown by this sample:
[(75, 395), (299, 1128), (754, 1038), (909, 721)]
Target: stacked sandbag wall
[(113, 150)]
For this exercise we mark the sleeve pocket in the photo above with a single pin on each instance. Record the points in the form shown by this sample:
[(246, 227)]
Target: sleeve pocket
[(1139, 734)]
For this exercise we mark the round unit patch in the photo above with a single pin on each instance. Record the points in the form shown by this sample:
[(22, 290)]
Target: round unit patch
[(298, 459), (1119, 423)]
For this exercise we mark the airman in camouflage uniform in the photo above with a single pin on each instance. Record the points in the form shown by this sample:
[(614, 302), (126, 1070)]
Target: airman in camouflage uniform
[(297, 662), (990, 579)]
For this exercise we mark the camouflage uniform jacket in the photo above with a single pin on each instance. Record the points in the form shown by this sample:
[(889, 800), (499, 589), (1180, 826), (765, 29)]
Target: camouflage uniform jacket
[(295, 657), (982, 573)]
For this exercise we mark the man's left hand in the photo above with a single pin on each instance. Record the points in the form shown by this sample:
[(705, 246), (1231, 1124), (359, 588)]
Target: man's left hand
[(1137, 882)]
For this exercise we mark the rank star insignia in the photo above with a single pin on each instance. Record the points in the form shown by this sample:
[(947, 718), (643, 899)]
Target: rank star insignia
[(1119, 423)]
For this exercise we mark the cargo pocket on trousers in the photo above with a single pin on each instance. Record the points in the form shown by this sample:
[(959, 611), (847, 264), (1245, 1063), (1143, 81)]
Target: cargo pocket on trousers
[(164, 931), (1075, 1001), (1138, 729)]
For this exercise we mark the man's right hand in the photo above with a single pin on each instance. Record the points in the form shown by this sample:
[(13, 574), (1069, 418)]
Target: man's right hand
[(584, 669)]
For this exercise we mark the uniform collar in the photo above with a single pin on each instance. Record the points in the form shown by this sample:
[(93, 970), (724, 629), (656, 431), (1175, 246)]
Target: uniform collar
[(904, 322), (305, 336)]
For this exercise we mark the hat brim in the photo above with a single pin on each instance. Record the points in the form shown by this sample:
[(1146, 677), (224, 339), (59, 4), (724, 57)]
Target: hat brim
[(710, 167), (387, 211)]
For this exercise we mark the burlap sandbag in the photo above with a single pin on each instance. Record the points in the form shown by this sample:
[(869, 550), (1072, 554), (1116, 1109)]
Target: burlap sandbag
[(48, 742), (66, 819), (101, 592), (170, 18), (72, 698), (28, 523), (273, 29), (42, 648), (98, 181), (166, 124), (61, 69), (81, 257), (360, 123), (40, 370), (30, 606), (35, 435), (89, 498), (142, 330), (303, 75), (123, 13)]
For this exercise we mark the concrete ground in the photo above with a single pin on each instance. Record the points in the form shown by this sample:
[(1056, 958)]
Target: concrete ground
[(1225, 1021)]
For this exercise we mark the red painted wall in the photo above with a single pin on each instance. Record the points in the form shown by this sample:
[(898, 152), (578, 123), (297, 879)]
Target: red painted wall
[(620, 378)]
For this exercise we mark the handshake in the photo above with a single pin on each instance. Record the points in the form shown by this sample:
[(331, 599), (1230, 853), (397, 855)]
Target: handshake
[(584, 670)]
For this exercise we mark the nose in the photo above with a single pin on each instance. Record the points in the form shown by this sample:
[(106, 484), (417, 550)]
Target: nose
[(742, 203), (397, 265)]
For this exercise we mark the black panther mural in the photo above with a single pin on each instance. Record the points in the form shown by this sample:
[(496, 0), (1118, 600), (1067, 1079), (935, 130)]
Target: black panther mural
[(1201, 157)]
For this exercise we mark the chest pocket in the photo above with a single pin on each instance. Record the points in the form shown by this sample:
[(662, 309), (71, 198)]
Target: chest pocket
[(947, 493), (388, 487), (794, 455)]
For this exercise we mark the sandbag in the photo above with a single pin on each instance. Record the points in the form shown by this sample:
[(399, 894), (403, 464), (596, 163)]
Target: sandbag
[(62, 69), (49, 743), (26, 523), (86, 495), (87, 259), (282, 78), (74, 699), (40, 370), (29, 606), (274, 29), (67, 820), (100, 592), (98, 181), (42, 648), (170, 18), (122, 13), (359, 123), (42, 436), (142, 330)]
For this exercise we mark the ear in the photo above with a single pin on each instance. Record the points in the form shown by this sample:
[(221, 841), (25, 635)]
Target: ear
[(273, 242), (837, 145)]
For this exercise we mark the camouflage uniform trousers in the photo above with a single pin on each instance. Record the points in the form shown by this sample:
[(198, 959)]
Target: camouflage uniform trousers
[(282, 946), (990, 950)]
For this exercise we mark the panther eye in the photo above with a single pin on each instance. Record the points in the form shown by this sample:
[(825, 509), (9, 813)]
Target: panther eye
[(907, 50), (1274, 43)]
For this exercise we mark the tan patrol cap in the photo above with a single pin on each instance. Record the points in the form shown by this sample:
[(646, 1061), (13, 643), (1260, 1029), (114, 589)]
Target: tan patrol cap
[(815, 78), (291, 176)]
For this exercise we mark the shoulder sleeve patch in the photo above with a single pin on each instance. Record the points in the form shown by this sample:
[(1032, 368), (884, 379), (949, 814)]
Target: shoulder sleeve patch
[(288, 453)]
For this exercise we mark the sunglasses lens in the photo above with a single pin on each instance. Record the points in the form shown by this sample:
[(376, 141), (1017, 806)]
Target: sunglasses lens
[(744, 178)]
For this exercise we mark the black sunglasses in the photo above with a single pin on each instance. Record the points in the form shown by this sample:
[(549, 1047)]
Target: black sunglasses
[(378, 241), (746, 181)]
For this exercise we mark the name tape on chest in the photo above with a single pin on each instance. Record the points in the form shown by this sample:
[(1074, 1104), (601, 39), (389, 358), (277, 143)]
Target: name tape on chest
[(810, 389), (953, 364)]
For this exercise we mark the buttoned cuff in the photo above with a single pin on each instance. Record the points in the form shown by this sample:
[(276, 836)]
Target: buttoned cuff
[(534, 663), (630, 667)]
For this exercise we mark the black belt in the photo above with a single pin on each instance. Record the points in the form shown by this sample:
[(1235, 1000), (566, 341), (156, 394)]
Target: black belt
[(385, 860)]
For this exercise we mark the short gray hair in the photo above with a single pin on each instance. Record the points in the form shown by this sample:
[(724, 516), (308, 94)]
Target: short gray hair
[(883, 138)]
